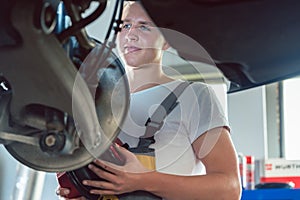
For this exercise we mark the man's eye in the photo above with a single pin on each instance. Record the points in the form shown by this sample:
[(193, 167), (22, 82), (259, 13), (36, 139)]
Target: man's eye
[(126, 26), (144, 28)]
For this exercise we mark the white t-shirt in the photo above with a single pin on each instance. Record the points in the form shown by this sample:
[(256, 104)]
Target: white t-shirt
[(198, 111)]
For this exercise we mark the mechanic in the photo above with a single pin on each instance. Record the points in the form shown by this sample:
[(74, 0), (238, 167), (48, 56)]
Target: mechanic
[(194, 155)]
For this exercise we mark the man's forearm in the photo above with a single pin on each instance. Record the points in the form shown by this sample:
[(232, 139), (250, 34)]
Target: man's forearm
[(213, 186)]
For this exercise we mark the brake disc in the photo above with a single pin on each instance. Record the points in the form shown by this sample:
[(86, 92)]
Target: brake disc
[(41, 75), (109, 90)]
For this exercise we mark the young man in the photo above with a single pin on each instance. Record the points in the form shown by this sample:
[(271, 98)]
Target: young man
[(194, 155)]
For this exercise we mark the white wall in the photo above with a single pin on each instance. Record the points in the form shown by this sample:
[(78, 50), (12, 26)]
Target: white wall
[(247, 117), (99, 27), (8, 167), (8, 179)]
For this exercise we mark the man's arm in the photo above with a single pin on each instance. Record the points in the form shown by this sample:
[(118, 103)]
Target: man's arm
[(216, 151), (213, 148)]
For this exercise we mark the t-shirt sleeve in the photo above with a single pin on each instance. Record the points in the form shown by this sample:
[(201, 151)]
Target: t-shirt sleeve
[(206, 113)]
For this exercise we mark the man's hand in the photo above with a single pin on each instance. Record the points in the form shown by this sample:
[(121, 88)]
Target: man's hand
[(63, 192), (117, 179)]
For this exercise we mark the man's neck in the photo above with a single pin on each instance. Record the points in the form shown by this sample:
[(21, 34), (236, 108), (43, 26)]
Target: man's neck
[(145, 77)]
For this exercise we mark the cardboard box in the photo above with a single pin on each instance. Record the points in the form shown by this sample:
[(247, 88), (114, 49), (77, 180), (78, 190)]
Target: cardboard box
[(280, 170)]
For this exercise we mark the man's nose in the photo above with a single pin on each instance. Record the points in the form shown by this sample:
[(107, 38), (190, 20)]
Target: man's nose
[(132, 34)]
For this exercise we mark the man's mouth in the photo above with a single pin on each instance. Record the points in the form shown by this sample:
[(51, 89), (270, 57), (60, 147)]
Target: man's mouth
[(131, 49)]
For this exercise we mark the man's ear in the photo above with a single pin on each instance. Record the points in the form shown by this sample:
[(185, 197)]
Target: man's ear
[(166, 45)]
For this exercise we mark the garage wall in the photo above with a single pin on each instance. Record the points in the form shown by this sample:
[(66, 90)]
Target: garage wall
[(247, 117), (9, 169)]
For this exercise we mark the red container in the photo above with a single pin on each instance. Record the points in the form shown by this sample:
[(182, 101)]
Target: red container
[(65, 182), (242, 168), (250, 169)]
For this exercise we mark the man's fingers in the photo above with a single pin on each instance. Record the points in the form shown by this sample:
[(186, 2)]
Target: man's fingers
[(62, 191), (108, 166), (101, 185), (105, 172)]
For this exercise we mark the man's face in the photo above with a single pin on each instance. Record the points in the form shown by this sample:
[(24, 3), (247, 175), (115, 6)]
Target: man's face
[(140, 41)]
